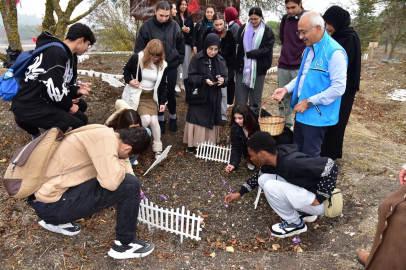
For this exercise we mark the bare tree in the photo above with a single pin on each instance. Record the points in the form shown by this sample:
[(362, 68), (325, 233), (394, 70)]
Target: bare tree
[(58, 28)]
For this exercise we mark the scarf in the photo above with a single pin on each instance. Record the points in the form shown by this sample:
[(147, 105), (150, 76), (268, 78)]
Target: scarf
[(212, 39), (232, 15), (348, 38), (252, 40)]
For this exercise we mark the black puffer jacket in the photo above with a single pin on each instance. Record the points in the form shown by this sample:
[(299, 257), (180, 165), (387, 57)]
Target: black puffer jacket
[(188, 23), (263, 54), (197, 36), (171, 36), (130, 73), (207, 114), (317, 175), (227, 49)]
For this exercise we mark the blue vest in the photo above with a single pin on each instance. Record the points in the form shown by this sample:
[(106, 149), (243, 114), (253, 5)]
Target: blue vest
[(317, 80)]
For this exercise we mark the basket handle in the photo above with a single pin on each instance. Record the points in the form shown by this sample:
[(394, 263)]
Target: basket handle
[(260, 110)]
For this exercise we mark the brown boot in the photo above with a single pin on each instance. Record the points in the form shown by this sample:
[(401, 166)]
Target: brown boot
[(362, 257)]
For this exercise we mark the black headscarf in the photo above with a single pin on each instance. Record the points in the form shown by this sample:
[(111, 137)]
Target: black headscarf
[(210, 40), (348, 38)]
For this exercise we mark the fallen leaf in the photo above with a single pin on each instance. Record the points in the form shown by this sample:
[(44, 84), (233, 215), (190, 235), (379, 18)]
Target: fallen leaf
[(204, 216), (213, 255), (35, 226), (230, 249), (187, 257), (3, 160), (298, 249), (208, 240), (275, 246), (260, 240), (224, 232), (206, 254)]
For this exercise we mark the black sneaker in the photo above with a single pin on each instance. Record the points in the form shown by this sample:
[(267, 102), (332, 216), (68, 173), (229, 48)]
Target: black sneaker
[(65, 229), (136, 249), (284, 229), (190, 150)]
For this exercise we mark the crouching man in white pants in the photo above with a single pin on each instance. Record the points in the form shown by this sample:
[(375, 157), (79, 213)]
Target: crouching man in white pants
[(294, 184)]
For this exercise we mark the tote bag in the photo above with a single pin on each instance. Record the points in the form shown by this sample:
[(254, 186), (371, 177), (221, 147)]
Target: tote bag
[(132, 95)]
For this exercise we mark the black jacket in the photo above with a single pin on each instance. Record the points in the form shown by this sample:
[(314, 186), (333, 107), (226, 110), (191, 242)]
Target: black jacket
[(239, 143), (227, 49), (197, 36), (130, 73), (50, 78), (263, 54), (207, 114), (171, 36), (234, 27), (317, 175), (188, 23)]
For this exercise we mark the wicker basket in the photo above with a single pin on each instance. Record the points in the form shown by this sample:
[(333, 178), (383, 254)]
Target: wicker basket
[(272, 124)]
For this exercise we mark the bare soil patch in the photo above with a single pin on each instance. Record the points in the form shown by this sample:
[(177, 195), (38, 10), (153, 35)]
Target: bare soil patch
[(373, 153)]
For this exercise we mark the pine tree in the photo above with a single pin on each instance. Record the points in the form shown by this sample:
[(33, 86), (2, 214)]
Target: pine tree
[(366, 22)]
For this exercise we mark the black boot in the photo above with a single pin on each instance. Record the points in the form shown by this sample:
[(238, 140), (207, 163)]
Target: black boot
[(173, 127), (162, 125)]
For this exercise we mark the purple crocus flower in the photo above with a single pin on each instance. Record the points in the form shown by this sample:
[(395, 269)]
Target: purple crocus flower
[(230, 191), (296, 240), (272, 235), (224, 182), (180, 218), (159, 182), (163, 197), (143, 197), (226, 205), (208, 192)]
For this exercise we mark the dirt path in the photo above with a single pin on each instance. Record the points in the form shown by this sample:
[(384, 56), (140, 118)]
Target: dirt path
[(373, 148)]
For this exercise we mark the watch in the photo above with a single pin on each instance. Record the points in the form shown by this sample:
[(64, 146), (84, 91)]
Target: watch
[(309, 103)]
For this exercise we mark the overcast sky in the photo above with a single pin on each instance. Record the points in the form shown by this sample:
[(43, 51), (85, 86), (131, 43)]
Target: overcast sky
[(37, 7)]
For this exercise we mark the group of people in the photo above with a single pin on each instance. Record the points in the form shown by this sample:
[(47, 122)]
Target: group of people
[(229, 65)]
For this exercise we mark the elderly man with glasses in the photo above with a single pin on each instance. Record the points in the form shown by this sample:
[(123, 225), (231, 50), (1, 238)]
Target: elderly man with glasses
[(318, 88)]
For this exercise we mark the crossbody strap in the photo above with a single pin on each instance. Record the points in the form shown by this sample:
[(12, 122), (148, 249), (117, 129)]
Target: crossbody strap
[(138, 68), (70, 170)]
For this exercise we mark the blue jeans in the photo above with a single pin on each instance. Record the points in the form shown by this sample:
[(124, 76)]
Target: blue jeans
[(89, 198), (308, 138)]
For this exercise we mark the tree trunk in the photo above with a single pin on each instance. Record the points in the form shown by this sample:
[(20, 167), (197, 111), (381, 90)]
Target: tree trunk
[(10, 24), (61, 27), (386, 48), (48, 24), (392, 49)]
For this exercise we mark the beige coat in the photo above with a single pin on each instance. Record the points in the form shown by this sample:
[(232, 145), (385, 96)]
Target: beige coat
[(97, 148)]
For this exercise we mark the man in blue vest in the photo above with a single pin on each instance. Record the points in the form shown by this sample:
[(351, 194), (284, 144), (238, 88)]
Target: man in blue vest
[(318, 88)]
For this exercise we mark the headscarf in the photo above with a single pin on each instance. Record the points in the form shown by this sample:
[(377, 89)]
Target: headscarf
[(210, 40), (348, 38), (232, 15)]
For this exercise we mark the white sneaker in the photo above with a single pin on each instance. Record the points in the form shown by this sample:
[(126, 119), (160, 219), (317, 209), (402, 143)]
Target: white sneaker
[(284, 229), (136, 249), (177, 88), (65, 229), (182, 87)]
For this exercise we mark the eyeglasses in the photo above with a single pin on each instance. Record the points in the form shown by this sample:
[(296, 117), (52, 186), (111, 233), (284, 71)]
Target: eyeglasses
[(299, 33), (254, 19)]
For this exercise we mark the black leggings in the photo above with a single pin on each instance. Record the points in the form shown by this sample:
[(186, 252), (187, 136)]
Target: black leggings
[(49, 116), (170, 93)]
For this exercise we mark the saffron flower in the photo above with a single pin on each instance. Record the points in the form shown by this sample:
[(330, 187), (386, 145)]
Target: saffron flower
[(159, 182), (296, 240), (272, 235), (224, 182), (163, 197), (208, 192), (230, 191), (226, 205), (143, 197)]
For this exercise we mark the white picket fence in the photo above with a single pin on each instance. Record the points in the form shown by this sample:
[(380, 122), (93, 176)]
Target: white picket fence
[(83, 57), (366, 56), (185, 225), (118, 52), (213, 152)]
